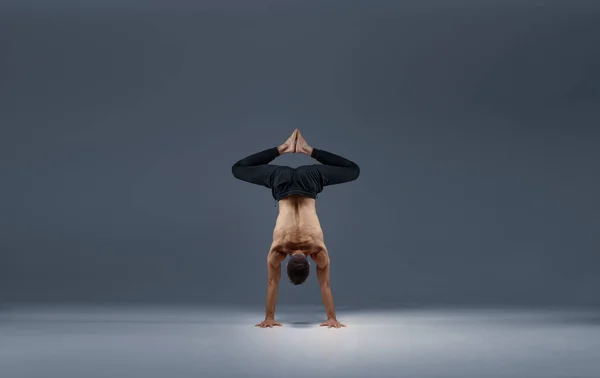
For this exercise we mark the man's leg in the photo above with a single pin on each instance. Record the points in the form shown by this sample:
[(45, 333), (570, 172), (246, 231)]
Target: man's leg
[(256, 169), (333, 169)]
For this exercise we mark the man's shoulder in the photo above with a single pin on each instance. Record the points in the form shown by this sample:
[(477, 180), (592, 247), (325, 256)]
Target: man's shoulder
[(321, 257), (276, 256)]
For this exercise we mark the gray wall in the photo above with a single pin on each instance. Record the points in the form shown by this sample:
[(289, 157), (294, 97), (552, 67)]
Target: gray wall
[(476, 128)]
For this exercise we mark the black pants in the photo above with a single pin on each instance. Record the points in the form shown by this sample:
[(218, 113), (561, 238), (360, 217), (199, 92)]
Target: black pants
[(307, 179)]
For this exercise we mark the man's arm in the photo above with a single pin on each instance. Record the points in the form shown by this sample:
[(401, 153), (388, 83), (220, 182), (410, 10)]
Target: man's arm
[(323, 269), (273, 276)]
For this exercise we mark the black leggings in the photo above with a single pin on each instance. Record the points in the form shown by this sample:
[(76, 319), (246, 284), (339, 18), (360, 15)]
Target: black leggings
[(333, 169)]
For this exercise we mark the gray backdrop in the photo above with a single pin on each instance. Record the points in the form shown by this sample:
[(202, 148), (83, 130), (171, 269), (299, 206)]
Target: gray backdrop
[(476, 126)]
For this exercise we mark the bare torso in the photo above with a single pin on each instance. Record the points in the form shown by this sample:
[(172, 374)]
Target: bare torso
[(297, 229)]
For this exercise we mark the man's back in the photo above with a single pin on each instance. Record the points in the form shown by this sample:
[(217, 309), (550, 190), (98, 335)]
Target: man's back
[(297, 228)]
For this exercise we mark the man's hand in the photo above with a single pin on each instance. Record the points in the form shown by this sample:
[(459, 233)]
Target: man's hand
[(268, 323), (332, 323), (302, 146), (289, 146)]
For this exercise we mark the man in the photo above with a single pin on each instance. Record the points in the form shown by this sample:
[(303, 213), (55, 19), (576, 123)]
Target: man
[(297, 231)]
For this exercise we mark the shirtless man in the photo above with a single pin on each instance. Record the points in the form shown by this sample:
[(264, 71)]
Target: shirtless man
[(297, 232)]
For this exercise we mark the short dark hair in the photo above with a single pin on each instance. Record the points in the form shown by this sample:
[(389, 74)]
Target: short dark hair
[(298, 268)]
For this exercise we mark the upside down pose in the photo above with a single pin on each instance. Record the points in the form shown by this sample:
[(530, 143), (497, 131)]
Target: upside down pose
[(297, 231)]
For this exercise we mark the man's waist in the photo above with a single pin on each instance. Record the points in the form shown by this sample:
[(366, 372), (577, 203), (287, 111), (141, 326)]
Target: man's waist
[(294, 193)]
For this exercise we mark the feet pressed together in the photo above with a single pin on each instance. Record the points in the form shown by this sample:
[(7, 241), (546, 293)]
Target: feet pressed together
[(295, 144)]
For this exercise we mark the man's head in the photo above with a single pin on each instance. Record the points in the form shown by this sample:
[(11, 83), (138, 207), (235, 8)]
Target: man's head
[(298, 268)]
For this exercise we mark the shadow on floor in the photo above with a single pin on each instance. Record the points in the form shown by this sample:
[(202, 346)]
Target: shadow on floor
[(303, 324)]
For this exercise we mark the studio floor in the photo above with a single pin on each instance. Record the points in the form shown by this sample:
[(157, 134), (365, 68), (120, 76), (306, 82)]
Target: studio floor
[(180, 342)]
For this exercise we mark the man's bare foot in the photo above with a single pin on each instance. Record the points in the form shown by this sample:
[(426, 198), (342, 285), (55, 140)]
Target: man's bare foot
[(332, 323), (302, 146), (289, 146), (268, 323)]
